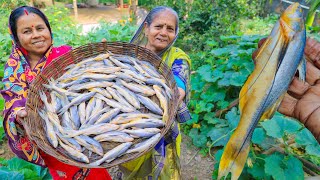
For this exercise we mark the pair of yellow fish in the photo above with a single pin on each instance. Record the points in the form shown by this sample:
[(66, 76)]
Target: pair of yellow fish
[(275, 65)]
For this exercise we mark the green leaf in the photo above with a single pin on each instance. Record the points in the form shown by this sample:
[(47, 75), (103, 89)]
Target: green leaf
[(238, 79), (1, 103), (273, 166), (210, 118), (196, 83), (272, 128), (286, 124), (220, 51), (293, 170), (213, 95), (279, 125), (194, 120), (233, 117), (257, 171), (258, 136), (221, 134), (203, 106), (223, 104), (228, 38), (225, 81), (29, 173), (198, 139), (5, 173), (313, 150), (217, 74), (218, 155), (205, 72), (304, 138)]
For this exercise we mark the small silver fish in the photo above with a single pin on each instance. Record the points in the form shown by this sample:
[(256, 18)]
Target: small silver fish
[(112, 154), (145, 144)]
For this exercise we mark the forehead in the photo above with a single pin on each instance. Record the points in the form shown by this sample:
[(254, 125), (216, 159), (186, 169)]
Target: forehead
[(165, 17), (30, 19)]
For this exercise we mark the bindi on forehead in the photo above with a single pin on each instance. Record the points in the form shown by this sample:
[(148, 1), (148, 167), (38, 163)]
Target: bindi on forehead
[(26, 12)]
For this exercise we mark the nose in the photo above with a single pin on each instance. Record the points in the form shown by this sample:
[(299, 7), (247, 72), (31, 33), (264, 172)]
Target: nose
[(163, 32), (35, 34)]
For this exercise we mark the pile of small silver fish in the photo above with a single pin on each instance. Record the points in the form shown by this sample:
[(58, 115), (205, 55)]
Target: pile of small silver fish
[(106, 98)]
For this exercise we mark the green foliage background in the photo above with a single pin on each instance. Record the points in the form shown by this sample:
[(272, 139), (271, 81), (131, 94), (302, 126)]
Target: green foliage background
[(220, 45)]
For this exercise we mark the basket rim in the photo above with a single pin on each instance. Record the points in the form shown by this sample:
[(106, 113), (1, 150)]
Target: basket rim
[(93, 48)]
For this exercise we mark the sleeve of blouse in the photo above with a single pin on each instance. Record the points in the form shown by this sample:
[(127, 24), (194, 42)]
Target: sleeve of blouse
[(14, 94), (181, 72)]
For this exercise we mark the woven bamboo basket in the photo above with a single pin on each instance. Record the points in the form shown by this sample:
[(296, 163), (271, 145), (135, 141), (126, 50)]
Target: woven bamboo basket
[(34, 125)]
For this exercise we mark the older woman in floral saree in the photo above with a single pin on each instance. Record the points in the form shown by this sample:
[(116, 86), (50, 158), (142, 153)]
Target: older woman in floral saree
[(158, 33)]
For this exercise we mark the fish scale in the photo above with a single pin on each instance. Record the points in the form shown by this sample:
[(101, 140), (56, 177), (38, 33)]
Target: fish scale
[(97, 99)]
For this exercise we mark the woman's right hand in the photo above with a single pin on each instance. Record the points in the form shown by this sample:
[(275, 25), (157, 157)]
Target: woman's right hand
[(302, 100), (21, 114)]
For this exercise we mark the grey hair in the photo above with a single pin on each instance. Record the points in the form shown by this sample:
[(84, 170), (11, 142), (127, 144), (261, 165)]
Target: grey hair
[(139, 37), (155, 11)]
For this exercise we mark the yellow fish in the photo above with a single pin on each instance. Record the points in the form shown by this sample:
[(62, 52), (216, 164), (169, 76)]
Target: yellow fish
[(275, 65)]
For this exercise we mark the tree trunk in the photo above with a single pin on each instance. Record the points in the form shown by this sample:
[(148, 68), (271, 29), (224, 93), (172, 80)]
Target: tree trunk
[(75, 9), (133, 8), (52, 2), (31, 3)]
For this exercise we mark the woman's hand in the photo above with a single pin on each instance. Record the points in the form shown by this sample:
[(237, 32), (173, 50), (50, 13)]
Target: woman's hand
[(302, 100), (182, 94), (21, 114)]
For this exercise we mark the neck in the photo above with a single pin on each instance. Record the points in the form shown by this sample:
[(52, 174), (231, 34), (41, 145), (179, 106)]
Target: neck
[(152, 49), (33, 60)]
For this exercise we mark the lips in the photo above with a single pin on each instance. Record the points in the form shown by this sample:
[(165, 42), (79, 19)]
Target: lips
[(161, 40), (38, 43)]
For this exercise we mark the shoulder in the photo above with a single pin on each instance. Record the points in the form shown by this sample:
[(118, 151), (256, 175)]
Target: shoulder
[(178, 53), (177, 50)]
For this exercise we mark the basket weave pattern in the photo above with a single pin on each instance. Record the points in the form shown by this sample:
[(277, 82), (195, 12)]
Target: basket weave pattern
[(35, 126)]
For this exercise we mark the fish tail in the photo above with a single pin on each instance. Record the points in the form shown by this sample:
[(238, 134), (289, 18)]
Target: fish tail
[(234, 156)]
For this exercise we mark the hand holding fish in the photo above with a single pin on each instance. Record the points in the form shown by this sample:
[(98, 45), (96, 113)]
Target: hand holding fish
[(182, 94), (21, 114), (303, 98)]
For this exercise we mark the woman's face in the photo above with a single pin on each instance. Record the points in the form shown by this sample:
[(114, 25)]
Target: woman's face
[(161, 31), (33, 34)]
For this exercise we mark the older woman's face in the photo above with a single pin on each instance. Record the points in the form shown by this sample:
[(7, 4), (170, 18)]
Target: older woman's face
[(33, 34), (161, 31)]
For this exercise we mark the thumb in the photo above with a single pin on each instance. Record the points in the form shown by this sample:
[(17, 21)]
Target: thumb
[(103, 40), (22, 113)]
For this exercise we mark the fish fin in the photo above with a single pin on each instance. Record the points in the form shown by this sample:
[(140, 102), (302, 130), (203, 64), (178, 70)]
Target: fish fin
[(270, 111), (234, 157), (302, 69), (283, 52)]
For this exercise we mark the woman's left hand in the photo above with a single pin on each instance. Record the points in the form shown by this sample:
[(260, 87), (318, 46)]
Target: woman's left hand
[(182, 94)]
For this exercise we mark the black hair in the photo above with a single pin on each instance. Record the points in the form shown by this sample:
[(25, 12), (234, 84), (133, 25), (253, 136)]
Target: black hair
[(18, 12), (155, 11)]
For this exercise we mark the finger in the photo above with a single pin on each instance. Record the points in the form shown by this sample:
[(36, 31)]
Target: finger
[(298, 88), (312, 51), (313, 74), (22, 113), (260, 43), (306, 106), (104, 40), (313, 123), (287, 105), (254, 54), (182, 94)]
